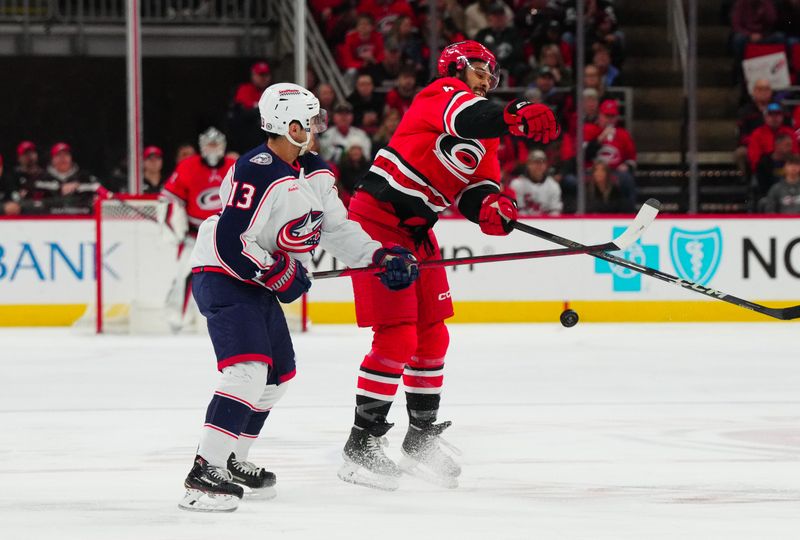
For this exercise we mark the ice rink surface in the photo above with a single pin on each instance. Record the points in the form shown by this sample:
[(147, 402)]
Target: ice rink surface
[(597, 432)]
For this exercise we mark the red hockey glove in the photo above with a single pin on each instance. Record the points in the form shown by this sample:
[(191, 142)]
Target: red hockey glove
[(497, 212), (286, 277), (399, 267), (532, 120)]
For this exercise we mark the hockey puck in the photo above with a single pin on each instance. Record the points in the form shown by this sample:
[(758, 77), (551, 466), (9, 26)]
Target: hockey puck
[(569, 318)]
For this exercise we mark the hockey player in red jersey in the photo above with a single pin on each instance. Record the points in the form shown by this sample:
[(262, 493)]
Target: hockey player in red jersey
[(193, 195), (443, 153)]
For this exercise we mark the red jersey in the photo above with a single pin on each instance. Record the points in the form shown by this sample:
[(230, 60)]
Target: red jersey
[(354, 49), (386, 13), (615, 148), (762, 142), (427, 164), (247, 95), (196, 185), (395, 101)]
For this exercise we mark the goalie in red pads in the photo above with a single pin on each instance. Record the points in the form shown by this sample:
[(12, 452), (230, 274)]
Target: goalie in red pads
[(444, 152)]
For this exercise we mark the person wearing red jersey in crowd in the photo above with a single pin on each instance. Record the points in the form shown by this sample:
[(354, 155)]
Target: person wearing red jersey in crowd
[(612, 144), (443, 153), (401, 96), (362, 47), (762, 139), (243, 114), (193, 195), (385, 12)]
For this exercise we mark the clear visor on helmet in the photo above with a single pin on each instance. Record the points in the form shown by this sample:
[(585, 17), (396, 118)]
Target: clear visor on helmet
[(319, 122), (484, 74)]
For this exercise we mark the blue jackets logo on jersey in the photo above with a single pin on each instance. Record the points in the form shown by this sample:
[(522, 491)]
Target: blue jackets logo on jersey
[(264, 158), (301, 235)]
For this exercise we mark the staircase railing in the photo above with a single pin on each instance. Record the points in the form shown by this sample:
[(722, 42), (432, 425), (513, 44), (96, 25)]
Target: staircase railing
[(678, 36), (318, 53)]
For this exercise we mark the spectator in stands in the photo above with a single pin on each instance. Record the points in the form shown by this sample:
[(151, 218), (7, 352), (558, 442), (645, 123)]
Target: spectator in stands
[(512, 154), (551, 57), (386, 12), (751, 115), (754, 21), (602, 60), (535, 190), (476, 17), (391, 119), (352, 167), (771, 166), (367, 105), (185, 150), (153, 164), (593, 79), (591, 104), (504, 41), (326, 96), (401, 96), (362, 47), (613, 145), (342, 135), (9, 196), (546, 84), (784, 196), (64, 188), (405, 34), (244, 118), (603, 33), (386, 73), (28, 169), (762, 140), (603, 193)]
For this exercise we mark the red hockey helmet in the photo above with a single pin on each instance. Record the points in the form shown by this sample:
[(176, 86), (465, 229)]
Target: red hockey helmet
[(460, 53)]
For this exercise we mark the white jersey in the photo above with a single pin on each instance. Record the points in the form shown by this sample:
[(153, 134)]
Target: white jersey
[(272, 205), (333, 145), (537, 198)]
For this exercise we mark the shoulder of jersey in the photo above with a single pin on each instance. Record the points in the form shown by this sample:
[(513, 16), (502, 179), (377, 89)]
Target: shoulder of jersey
[(447, 84), (312, 162), (257, 164)]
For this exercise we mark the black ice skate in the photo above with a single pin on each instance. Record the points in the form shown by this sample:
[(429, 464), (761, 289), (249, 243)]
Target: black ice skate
[(259, 482), (364, 461), (423, 457), (210, 489)]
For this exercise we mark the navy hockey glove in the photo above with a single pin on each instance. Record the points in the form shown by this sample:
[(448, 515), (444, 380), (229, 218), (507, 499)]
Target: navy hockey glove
[(399, 267), (286, 277), (532, 120)]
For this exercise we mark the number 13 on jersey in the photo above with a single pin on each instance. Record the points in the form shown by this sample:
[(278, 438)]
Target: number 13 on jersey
[(241, 195)]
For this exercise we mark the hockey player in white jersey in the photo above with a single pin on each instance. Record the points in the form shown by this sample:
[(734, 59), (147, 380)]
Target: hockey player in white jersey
[(280, 204)]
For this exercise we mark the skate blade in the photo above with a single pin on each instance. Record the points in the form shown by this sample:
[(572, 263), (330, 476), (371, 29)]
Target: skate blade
[(356, 474), (197, 501), (417, 469), (260, 494)]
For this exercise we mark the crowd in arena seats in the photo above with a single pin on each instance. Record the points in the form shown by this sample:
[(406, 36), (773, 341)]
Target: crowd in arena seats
[(768, 121), (383, 47)]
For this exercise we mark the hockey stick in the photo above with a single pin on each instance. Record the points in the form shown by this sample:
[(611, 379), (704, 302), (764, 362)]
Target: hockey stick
[(634, 231), (784, 314)]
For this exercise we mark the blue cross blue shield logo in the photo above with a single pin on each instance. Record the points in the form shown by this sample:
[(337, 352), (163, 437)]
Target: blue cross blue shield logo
[(696, 254)]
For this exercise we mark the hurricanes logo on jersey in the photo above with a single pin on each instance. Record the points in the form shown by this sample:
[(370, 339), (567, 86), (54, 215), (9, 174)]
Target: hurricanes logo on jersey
[(460, 156), (301, 235), (209, 199)]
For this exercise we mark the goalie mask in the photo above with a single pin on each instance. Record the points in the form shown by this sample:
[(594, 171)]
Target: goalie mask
[(284, 103), (212, 146)]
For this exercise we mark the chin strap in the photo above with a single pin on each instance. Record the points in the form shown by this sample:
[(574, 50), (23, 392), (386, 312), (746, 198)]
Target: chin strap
[(303, 146)]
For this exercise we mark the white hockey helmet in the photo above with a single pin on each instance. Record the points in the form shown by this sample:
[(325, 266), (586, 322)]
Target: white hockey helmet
[(284, 103), (212, 144)]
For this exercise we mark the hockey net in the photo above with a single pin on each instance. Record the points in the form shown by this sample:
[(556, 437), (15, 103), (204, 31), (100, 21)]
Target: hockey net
[(137, 262)]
